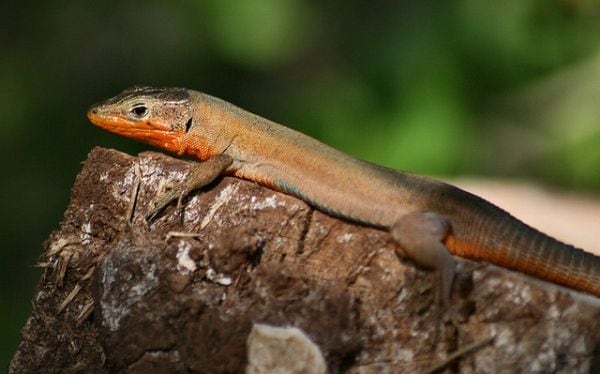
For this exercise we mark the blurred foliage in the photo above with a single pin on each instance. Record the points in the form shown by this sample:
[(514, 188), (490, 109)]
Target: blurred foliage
[(505, 89)]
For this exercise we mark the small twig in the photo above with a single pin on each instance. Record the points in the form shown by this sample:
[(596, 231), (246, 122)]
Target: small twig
[(61, 268), (61, 244), (89, 274), (134, 192), (69, 298), (87, 310), (459, 353), (155, 206), (181, 234)]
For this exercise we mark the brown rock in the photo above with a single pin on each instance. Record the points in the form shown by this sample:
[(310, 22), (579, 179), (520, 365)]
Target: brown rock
[(164, 301)]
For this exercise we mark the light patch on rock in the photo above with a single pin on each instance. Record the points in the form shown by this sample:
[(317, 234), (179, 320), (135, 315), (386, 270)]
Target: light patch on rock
[(218, 278), (185, 264), (103, 176), (269, 202), (282, 350), (224, 196), (121, 186), (114, 309), (86, 232), (345, 238), (149, 165)]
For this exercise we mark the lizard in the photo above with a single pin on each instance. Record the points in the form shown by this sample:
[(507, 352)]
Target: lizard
[(429, 220)]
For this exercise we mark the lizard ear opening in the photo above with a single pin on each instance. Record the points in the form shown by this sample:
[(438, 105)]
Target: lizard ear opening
[(188, 125)]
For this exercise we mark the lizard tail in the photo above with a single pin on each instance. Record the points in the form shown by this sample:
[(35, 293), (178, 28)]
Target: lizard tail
[(504, 240)]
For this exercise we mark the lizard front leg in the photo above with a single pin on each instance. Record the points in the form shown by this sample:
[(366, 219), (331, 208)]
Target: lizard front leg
[(420, 236), (201, 175)]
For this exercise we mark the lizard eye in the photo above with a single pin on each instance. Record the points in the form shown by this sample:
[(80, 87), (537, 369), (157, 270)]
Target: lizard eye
[(139, 111)]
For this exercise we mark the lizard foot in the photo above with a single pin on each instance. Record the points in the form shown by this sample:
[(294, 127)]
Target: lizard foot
[(203, 174), (420, 236)]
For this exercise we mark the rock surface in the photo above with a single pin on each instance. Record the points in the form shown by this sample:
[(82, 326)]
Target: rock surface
[(183, 292)]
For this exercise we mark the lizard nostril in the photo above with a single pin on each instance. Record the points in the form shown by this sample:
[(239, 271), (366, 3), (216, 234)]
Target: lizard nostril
[(92, 112)]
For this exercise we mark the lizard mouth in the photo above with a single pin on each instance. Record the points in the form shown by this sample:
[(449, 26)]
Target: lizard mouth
[(108, 122), (149, 132)]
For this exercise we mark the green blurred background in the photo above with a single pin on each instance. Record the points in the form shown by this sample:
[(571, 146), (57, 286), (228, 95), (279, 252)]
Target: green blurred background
[(505, 89)]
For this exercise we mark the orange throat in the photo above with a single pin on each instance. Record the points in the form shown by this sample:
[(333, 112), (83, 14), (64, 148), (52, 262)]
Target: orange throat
[(157, 135)]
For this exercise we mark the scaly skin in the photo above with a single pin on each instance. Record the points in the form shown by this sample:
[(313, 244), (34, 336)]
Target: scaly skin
[(412, 207)]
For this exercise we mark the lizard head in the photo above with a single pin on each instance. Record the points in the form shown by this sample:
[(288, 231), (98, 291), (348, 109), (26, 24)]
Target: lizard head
[(158, 116)]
